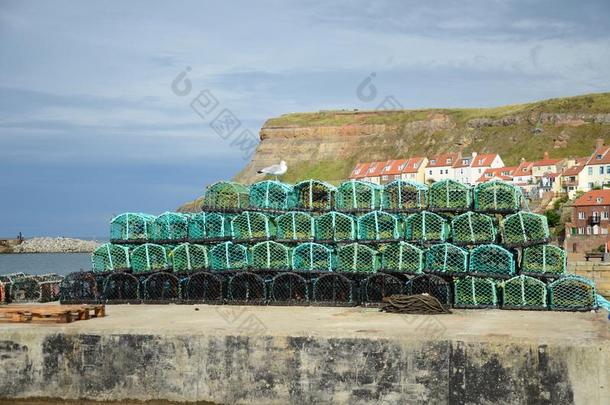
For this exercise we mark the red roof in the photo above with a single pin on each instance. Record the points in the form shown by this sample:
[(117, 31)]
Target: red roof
[(359, 171), (524, 169), (600, 156), (483, 160), (443, 160), (547, 161), (502, 173), (577, 168), (375, 169), (413, 164), (394, 166), (593, 197)]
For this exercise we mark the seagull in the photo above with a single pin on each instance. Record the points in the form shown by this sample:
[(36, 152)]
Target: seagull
[(275, 170)]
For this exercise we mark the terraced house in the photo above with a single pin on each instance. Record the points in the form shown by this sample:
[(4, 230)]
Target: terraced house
[(588, 227), (596, 171)]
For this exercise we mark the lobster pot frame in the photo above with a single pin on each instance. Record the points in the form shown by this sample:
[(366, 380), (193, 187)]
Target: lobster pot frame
[(189, 257), (376, 287), (404, 195), (161, 288), (572, 293), (357, 258), (169, 227), (271, 195), (402, 257), (270, 255), (474, 292), (446, 258), (131, 228), (378, 226), (426, 227), (149, 257), (497, 196), (228, 256), (226, 196), (312, 257), (25, 289), (314, 195), (110, 257), (356, 196), (295, 227), (543, 260), (79, 288), (524, 229), (121, 287), (202, 287), (491, 261), (432, 285), (251, 226), (449, 195), (523, 292), (196, 226), (335, 227), (218, 226), (472, 228), (288, 289), (246, 287), (334, 289)]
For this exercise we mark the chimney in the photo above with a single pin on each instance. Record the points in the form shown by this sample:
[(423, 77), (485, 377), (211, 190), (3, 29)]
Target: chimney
[(599, 142), (546, 155), (522, 160)]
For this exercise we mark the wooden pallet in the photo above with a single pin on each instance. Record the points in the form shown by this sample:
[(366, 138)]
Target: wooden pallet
[(50, 313)]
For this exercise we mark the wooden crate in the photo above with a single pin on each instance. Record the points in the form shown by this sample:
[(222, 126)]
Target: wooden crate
[(50, 313)]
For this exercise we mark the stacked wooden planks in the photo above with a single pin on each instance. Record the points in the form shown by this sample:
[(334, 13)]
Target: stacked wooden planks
[(50, 313)]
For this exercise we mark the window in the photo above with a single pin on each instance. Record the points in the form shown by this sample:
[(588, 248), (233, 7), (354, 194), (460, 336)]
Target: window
[(357, 171), (604, 231), (596, 230), (448, 161), (601, 170), (446, 171), (480, 161), (588, 230), (590, 170), (461, 171), (430, 172), (598, 157), (590, 185), (599, 199), (581, 215), (416, 166), (595, 214), (479, 170), (401, 167), (581, 231), (488, 174), (604, 214), (432, 161), (607, 169), (384, 177), (573, 231)]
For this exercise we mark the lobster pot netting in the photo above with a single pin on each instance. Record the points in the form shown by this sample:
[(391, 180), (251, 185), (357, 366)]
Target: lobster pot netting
[(121, 287), (335, 227), (270, 255), (170, 226), (189, 257), (131, 227), (218, 226), (543, 260), (161, 287), (572, 293), (497, 196), (378, 226), (357, 258), (251, 226), (333, 289), (109, 257), (525, 228), (492, 261), (402, 195), (449, 195), (402, 257), (149, 257), (312, 257), (228, 256), (226, 196), (26, 289), (295, 226), (447, 259), (378, 286), (357, 195), (474, 292), (288, 288), (314, 195), (473, 228), (431, 285), (246, 287), (426, 227), (202, 287), (523, 292), (271, 195), (196, 226), (79, 287)]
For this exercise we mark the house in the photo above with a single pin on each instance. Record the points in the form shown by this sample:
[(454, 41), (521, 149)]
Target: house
[(546, 165), (570, 176), (373, 173), (588, 227), (440, 167), (596, 171), (392, 170), (415, 169), (522, 176), (480, 163), (359, 171), (498, 173)]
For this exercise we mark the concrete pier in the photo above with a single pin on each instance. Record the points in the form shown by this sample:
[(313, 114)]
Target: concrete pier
[(279, 355)]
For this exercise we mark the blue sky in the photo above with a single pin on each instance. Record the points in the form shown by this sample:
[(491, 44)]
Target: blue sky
[(90, 127)]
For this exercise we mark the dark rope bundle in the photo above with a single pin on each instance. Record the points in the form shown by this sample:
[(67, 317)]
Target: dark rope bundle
[(422, 304)]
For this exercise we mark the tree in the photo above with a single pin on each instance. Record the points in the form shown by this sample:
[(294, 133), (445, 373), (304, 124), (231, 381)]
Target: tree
[(553, 218)]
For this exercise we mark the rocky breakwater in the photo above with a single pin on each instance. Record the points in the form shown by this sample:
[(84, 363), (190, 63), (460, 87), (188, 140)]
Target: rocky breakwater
[(56, 245)]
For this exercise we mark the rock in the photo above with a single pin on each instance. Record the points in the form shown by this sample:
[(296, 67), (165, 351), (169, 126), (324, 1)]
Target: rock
[(56, 245)]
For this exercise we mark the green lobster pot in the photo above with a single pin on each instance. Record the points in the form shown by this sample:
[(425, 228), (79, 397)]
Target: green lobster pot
[(295, 226), (189, 257), (404, 195), (357, 258), (272, 195), (110, 257), (149, 257), (426, 227), (354, 195), (402, 257)]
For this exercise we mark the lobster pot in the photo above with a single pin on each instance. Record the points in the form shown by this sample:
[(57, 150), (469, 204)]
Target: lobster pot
[(335, 227), (473, 228), (228, 256), (149, 257), (524, 229), (121, 287), (218, 226), (270, 255), (426, 227), (334, 289), (246, 287), (79, 287), (314, 195), (169, 227), (492, 261), (446, 258), (109, 257), (474, 292), (202, 287), (449, 195), (131, 227), (572, 293), (271, 195), (402, 257), (161, 287), (376, 287), (312, 257), (3, 289), (289, 288), (357, 258), (431, 285), (226, 196), (543, 260), (497, 196), (523, 292), (403, 195), (294, 226), (25, 289), (249, 226), (189, 257), (378, 226), (354, 195)]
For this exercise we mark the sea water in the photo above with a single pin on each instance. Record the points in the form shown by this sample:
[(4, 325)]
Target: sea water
[(41, 263)]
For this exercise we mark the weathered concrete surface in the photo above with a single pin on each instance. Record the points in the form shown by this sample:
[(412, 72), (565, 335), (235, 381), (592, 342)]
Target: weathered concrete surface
[(283, 355)]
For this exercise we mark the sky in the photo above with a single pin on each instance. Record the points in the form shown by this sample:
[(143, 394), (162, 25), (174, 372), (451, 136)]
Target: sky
[(96, 113)]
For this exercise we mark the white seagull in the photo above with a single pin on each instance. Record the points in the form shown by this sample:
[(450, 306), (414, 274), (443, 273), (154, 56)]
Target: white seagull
[(275, 170)]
